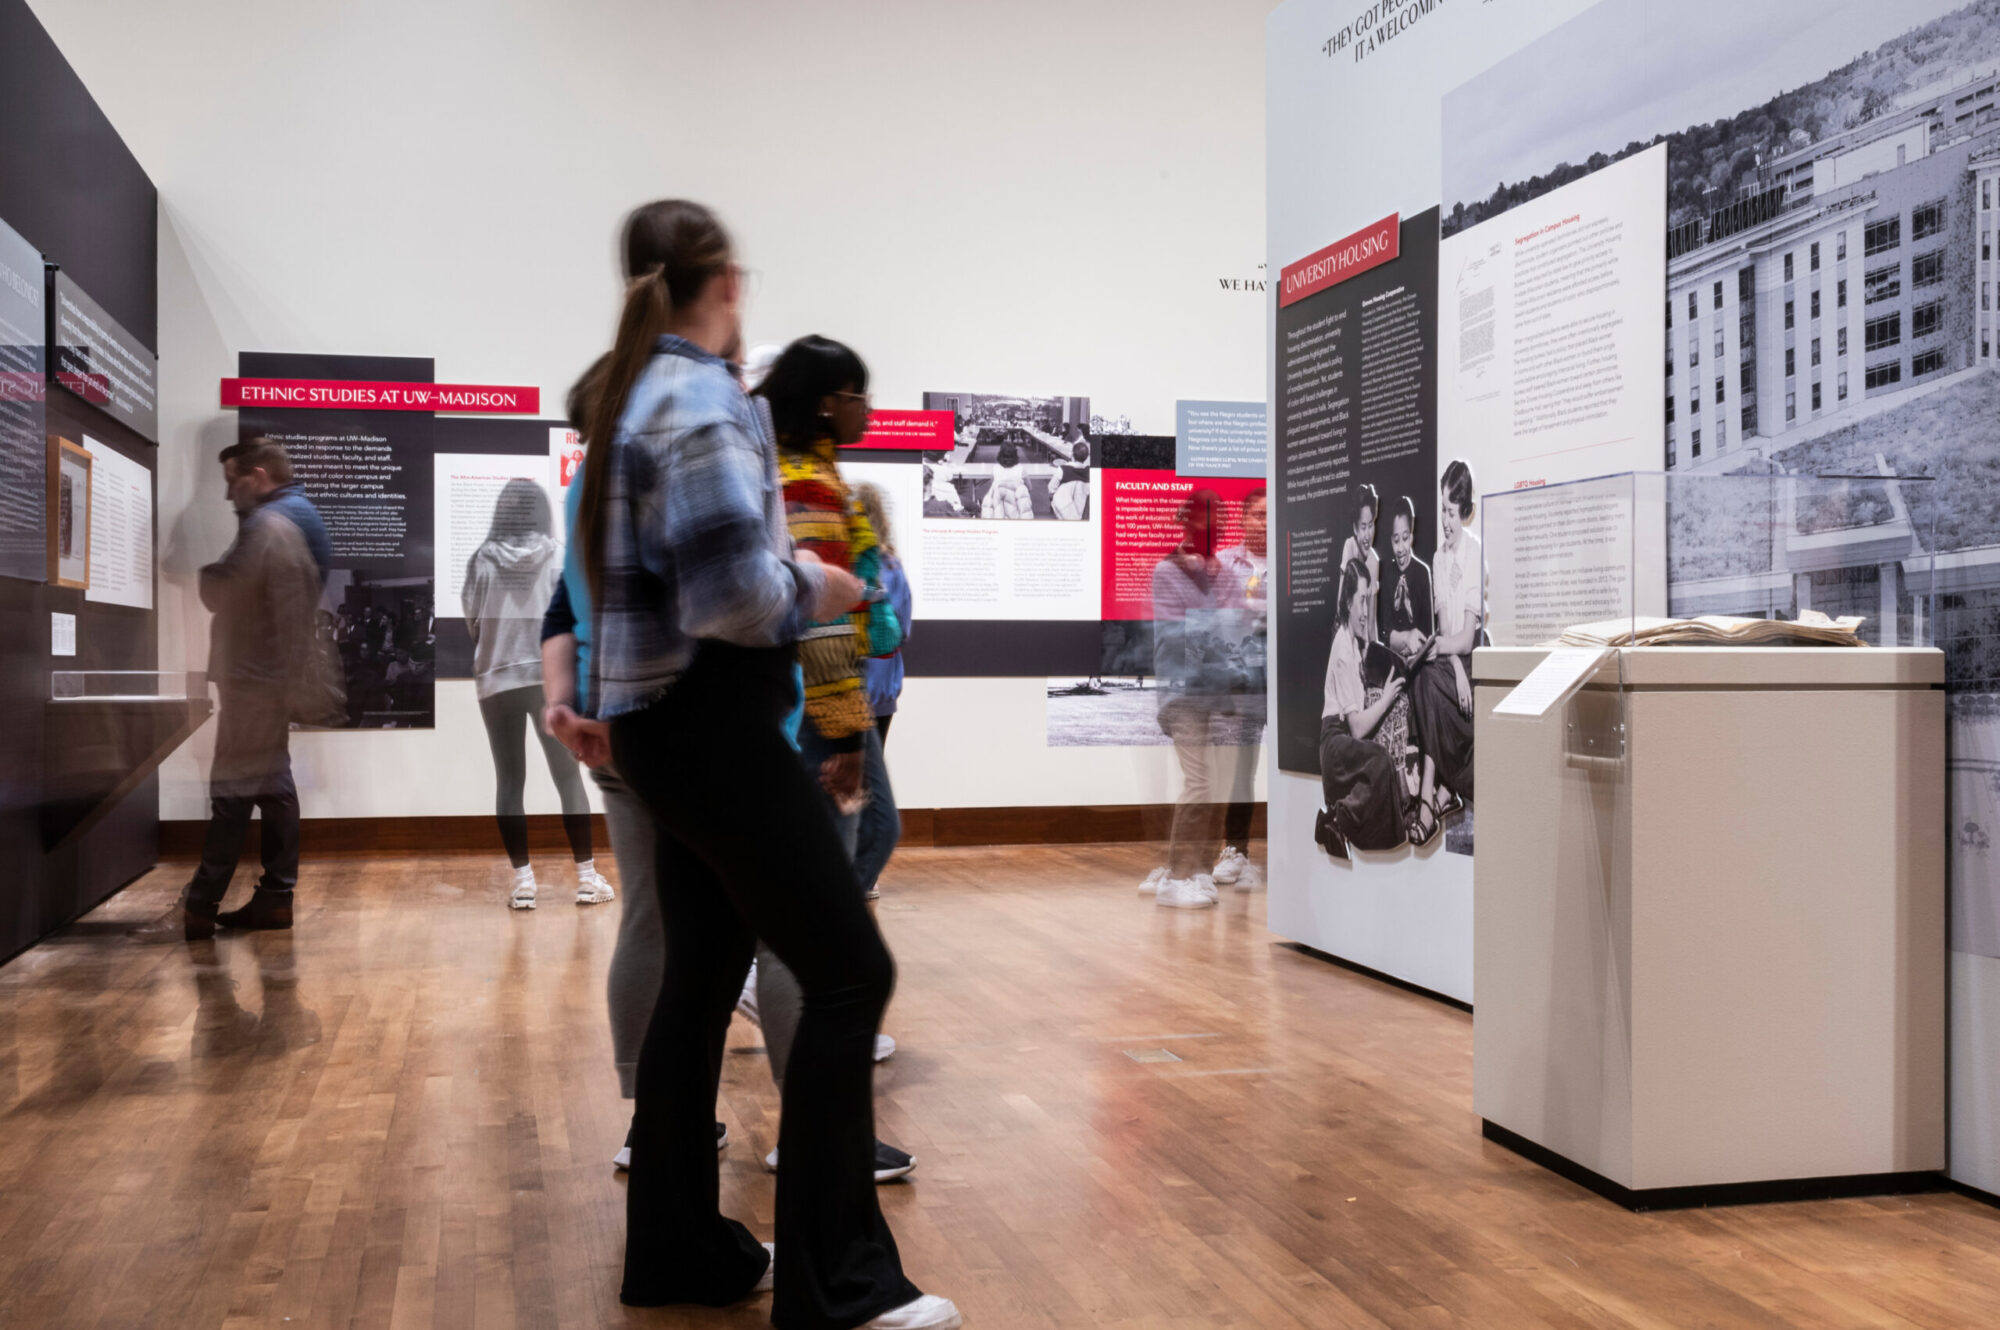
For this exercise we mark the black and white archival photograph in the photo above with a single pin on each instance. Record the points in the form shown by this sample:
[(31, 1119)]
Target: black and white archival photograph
[(1124, 711), (1013, 459), (1106, 711)]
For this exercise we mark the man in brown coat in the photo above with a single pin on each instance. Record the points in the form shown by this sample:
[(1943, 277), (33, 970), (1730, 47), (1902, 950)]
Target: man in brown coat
[(264, 593)]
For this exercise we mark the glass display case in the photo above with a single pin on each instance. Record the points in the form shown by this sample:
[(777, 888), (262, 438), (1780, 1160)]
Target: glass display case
[(1651, 545), (104, 733)]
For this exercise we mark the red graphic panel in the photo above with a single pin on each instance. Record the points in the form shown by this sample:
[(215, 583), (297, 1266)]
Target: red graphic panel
[(1142, 525)]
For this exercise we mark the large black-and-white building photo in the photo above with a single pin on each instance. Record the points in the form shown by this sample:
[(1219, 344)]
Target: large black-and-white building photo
[(1014, 458)]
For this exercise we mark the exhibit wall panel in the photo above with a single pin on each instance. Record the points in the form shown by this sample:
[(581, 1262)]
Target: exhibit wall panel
[(1806, 191), (1353, 137), (1067, 202)]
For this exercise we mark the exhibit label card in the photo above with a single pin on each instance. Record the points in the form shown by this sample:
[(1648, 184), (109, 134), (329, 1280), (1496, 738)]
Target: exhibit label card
[(23, 446), (1560, 674), (1219, 438), (62, 634), (99, 361), (121, 528)]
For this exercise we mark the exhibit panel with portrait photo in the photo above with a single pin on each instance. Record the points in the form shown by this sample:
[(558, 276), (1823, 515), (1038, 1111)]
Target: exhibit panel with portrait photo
[(1004, 525), (69, 514), (1378, 569), (371, 474)]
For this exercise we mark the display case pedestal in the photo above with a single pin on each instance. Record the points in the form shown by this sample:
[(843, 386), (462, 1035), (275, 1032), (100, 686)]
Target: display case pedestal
[(1709, 922)]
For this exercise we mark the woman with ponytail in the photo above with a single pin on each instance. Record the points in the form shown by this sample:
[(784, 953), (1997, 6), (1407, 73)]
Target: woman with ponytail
[(697, 600)]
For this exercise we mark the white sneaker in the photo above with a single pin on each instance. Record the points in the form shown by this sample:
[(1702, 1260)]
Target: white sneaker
[(523, 896), (591, 888), (1229, 865), (1187, 893), (885, 1047), (623, 1159), (929, 1312), (746, 1001), (771, 1162), (1152, 883), (769, 1280)]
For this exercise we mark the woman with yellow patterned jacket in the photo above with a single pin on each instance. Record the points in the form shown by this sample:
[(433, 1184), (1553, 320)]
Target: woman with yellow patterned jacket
[(817, 392), (818, 397)]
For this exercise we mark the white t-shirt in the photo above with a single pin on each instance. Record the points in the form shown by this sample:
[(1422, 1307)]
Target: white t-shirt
[(1345, 693), (1374, 587), (1456, 574)]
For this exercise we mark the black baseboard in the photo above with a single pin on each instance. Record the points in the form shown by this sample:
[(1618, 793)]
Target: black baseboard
[(1973, 1193), (1724, 1193), (1377, 975)]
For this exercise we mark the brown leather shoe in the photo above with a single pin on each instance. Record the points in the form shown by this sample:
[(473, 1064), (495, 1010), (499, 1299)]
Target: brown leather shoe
[(195, 926), (262, 910)]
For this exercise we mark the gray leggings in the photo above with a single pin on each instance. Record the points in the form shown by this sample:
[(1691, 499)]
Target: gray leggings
[(633, 986), (510, 717)]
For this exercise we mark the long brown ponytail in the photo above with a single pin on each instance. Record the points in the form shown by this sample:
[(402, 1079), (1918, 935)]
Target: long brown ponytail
[(671, 250)]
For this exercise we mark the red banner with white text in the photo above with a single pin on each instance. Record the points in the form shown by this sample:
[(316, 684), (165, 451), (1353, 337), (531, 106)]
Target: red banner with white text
[(361, 395)]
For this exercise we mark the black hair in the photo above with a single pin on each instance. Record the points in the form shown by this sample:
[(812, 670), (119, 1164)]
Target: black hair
[(1009, 455), (1406, 508), (1081, 453), (801, 377), (1365, 496), (1353, 576), (1456, 485)]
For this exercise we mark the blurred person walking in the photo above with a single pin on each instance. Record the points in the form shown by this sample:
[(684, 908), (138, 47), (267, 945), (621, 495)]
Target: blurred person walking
[(1245, 569), (817, 396), (697, 600), (1189, 585), (264, 594), (508, 582)]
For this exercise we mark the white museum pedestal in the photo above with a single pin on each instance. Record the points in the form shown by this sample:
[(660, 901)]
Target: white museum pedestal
[(1709, 922)]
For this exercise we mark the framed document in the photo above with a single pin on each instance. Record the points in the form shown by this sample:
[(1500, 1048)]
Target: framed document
[(69, 514)]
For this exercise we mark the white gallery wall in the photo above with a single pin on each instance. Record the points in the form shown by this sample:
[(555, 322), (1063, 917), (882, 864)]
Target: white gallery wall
[(1035, 197)]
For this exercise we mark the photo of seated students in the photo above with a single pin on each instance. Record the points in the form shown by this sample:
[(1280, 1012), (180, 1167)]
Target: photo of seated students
[(1441, 692), (1364, 731), (1361, 545), (1411, 617), (1412, 639)]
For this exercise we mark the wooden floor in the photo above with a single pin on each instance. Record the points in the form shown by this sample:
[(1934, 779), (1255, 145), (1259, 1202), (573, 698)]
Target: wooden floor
[(403, 1114)]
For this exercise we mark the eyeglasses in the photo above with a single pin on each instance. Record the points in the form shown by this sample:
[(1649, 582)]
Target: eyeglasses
[(864, 398)]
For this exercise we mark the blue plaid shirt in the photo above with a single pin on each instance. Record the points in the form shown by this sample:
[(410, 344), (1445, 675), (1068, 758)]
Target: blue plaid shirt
[(695, 540)]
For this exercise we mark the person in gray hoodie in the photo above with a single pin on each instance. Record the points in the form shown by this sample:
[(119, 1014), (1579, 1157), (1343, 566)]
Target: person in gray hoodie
[(508, 582)]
